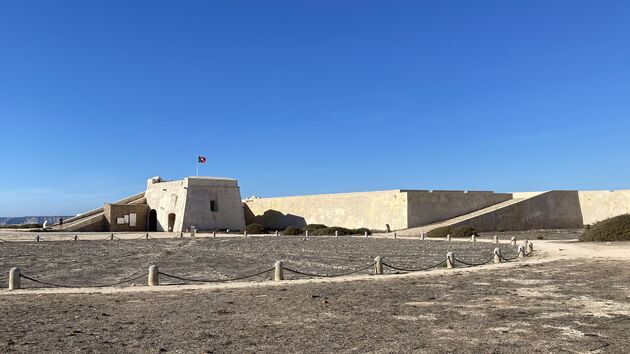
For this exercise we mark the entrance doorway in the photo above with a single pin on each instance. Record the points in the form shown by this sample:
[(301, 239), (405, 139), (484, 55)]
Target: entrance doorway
[(171, 222), (152, 224)]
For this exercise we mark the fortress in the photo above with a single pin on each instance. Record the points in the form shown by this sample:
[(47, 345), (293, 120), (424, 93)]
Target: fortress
[(212, 203)]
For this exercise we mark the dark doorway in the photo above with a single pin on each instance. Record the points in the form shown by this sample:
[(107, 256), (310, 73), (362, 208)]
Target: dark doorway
[(152, 220), (171, 222)]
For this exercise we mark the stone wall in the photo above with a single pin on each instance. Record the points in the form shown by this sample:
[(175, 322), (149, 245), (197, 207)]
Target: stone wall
[(352, 210), (126, 217), (599, 205), (426, 207)]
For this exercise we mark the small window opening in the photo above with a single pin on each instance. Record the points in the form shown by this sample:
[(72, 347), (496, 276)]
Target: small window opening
[(213, 205)]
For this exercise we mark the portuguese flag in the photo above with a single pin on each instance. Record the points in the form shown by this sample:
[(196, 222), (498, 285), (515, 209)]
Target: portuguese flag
[(201, 159)]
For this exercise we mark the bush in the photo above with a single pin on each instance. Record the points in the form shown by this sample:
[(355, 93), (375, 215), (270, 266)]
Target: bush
[(313, 227), (330, 231), (540, 237), (614, 229), (463, 231), (292, 231), (439, 232), (255, 228)]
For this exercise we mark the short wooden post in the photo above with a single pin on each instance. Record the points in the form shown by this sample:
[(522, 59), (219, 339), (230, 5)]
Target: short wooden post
[(450, 260), (448, 237), (146, 236), (193, 231), (277, 233), (422, 236), (513, 241), (14, 278), (278, 273), (37, 238), (76, 238), (495, 239), (214, 234), (521, 251), (111, 236), (154, 275), (181, 234), (530, 248), (473, 238), (336, 233), (366, 234), (245, 233), (378, 265), (497, 255), (306, 233), (394, 235)]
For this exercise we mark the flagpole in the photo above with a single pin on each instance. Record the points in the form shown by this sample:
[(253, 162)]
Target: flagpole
[(197, 166)]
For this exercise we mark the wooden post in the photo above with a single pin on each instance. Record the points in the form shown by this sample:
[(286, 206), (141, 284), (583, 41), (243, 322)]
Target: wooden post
[(181, 234), (214, 234), (154, 275), (448, 237), (366, 234), (306, 233), (422, 236), (497, 255), (37, 238), (378, 265), (193, 231), (276, 233), (450, 260), (76, 238), (495, 239), (245, 233), (336, 233), (394, 235), (530, 248), (513, 241), (278, 273), (521, 251), (146, 236), (111, 236), (473, 238), (14, 278)]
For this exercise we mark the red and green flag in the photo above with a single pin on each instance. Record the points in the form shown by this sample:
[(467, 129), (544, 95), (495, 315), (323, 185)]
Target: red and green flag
[(201, 159)]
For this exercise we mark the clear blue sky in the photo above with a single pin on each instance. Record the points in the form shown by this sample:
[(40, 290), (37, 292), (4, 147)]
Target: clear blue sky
[(301, 97)]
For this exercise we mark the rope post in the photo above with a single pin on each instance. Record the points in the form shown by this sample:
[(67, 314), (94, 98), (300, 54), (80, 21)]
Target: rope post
[(193, 231), (495, 239), (14, 278), (450, 260), (111, 236), (422, 236), (394, 235), (277, 233), (154, 276), (37, 238), (513, 241), (366, 234), (448, 237), (530, 248), (76, 238), (336, 233), (378, 265), (497, 255), (521, 251), (181, 234), (473, 238), (245, 233), (278, 271), (306, 233), (214, 234), (146, 236)]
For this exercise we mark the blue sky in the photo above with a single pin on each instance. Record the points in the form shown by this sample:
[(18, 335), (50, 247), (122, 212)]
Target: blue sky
[(302, 97)]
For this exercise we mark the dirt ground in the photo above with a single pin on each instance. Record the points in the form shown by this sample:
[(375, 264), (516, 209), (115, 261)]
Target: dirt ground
[(568, 298)]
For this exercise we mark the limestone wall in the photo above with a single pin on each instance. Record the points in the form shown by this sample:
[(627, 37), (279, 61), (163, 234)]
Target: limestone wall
[(352, 210), (226, 195), (167, 198), (426, 207), (600, 205), (549, 210)]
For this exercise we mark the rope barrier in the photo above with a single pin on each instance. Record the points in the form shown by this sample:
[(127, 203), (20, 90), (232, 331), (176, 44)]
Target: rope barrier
[(509, 259), (415, 270), (215, 280), (329, 275), (475, 264), (55, 285)]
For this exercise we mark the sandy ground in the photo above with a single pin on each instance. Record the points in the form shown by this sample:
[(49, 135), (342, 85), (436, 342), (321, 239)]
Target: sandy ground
[(569, 297)]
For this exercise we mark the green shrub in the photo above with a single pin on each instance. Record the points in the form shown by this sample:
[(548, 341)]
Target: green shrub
[(540, 237), (439, 232), (614, 229), (361, 231), (255, 228), (292, 231), (330, 231), (313, 227), (462, 231)]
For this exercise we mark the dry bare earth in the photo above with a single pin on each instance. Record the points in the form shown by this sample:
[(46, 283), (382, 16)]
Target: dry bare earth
[(560, 306)]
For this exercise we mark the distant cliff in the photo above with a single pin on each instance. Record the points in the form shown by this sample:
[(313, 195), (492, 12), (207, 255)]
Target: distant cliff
[(18, 220)]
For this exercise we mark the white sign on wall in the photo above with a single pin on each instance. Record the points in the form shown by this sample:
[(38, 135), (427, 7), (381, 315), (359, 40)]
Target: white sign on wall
[(132, 219)]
